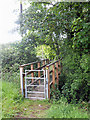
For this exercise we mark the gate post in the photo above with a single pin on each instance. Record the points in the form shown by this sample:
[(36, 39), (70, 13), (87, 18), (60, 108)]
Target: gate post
[(48, 82), (21, 79)]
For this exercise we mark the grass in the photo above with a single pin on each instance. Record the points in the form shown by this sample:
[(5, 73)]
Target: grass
[(10, 99), (14, 105), (65, 110)]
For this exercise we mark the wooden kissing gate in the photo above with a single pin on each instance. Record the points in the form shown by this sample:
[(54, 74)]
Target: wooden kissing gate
[(36, 78)]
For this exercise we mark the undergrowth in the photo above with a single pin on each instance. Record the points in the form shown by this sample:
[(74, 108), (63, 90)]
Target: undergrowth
[(62, 109), (10, 99)]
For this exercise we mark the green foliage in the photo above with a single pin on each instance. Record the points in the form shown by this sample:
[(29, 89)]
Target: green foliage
[(80, 28), (15, 54), (12, 56), (55, 94), (64, 27), (9, 57), (13, 77), (50, 25), (76, 86), (61, 30), (64, 110), (44, 51)]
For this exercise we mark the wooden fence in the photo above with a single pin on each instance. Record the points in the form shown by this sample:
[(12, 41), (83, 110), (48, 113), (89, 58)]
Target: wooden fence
[(53, 70)]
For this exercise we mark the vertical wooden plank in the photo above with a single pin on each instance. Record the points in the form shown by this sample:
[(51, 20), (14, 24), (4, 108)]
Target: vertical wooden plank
[(24, 84), (39, 71), (57, 74), (32, 74), (53, 75), (48, 83)]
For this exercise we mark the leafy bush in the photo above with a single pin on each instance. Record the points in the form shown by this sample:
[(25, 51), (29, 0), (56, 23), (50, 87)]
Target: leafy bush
[(13, 77), (15, 54), (76, 70), (55, 94)]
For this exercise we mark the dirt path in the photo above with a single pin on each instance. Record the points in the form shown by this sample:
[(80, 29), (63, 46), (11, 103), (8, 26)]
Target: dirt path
[(34, 111)]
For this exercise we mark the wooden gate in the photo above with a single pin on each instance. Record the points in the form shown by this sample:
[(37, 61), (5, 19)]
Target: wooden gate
[(47, 71)]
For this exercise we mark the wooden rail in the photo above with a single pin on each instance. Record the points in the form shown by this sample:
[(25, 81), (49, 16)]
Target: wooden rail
[(55, 71), (47, 60)]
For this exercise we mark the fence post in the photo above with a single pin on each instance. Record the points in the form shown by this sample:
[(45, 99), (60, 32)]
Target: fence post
[(48, 77), (32, 74), (39, 71), (57, 73), (47, 82), (21, 80), (53, 75)]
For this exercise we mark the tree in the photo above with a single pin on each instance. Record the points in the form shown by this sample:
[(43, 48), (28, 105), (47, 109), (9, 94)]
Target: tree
[(65, 28)]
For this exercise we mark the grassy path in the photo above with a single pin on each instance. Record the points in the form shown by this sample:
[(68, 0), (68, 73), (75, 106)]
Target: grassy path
[(13, 105), (33, 109)]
